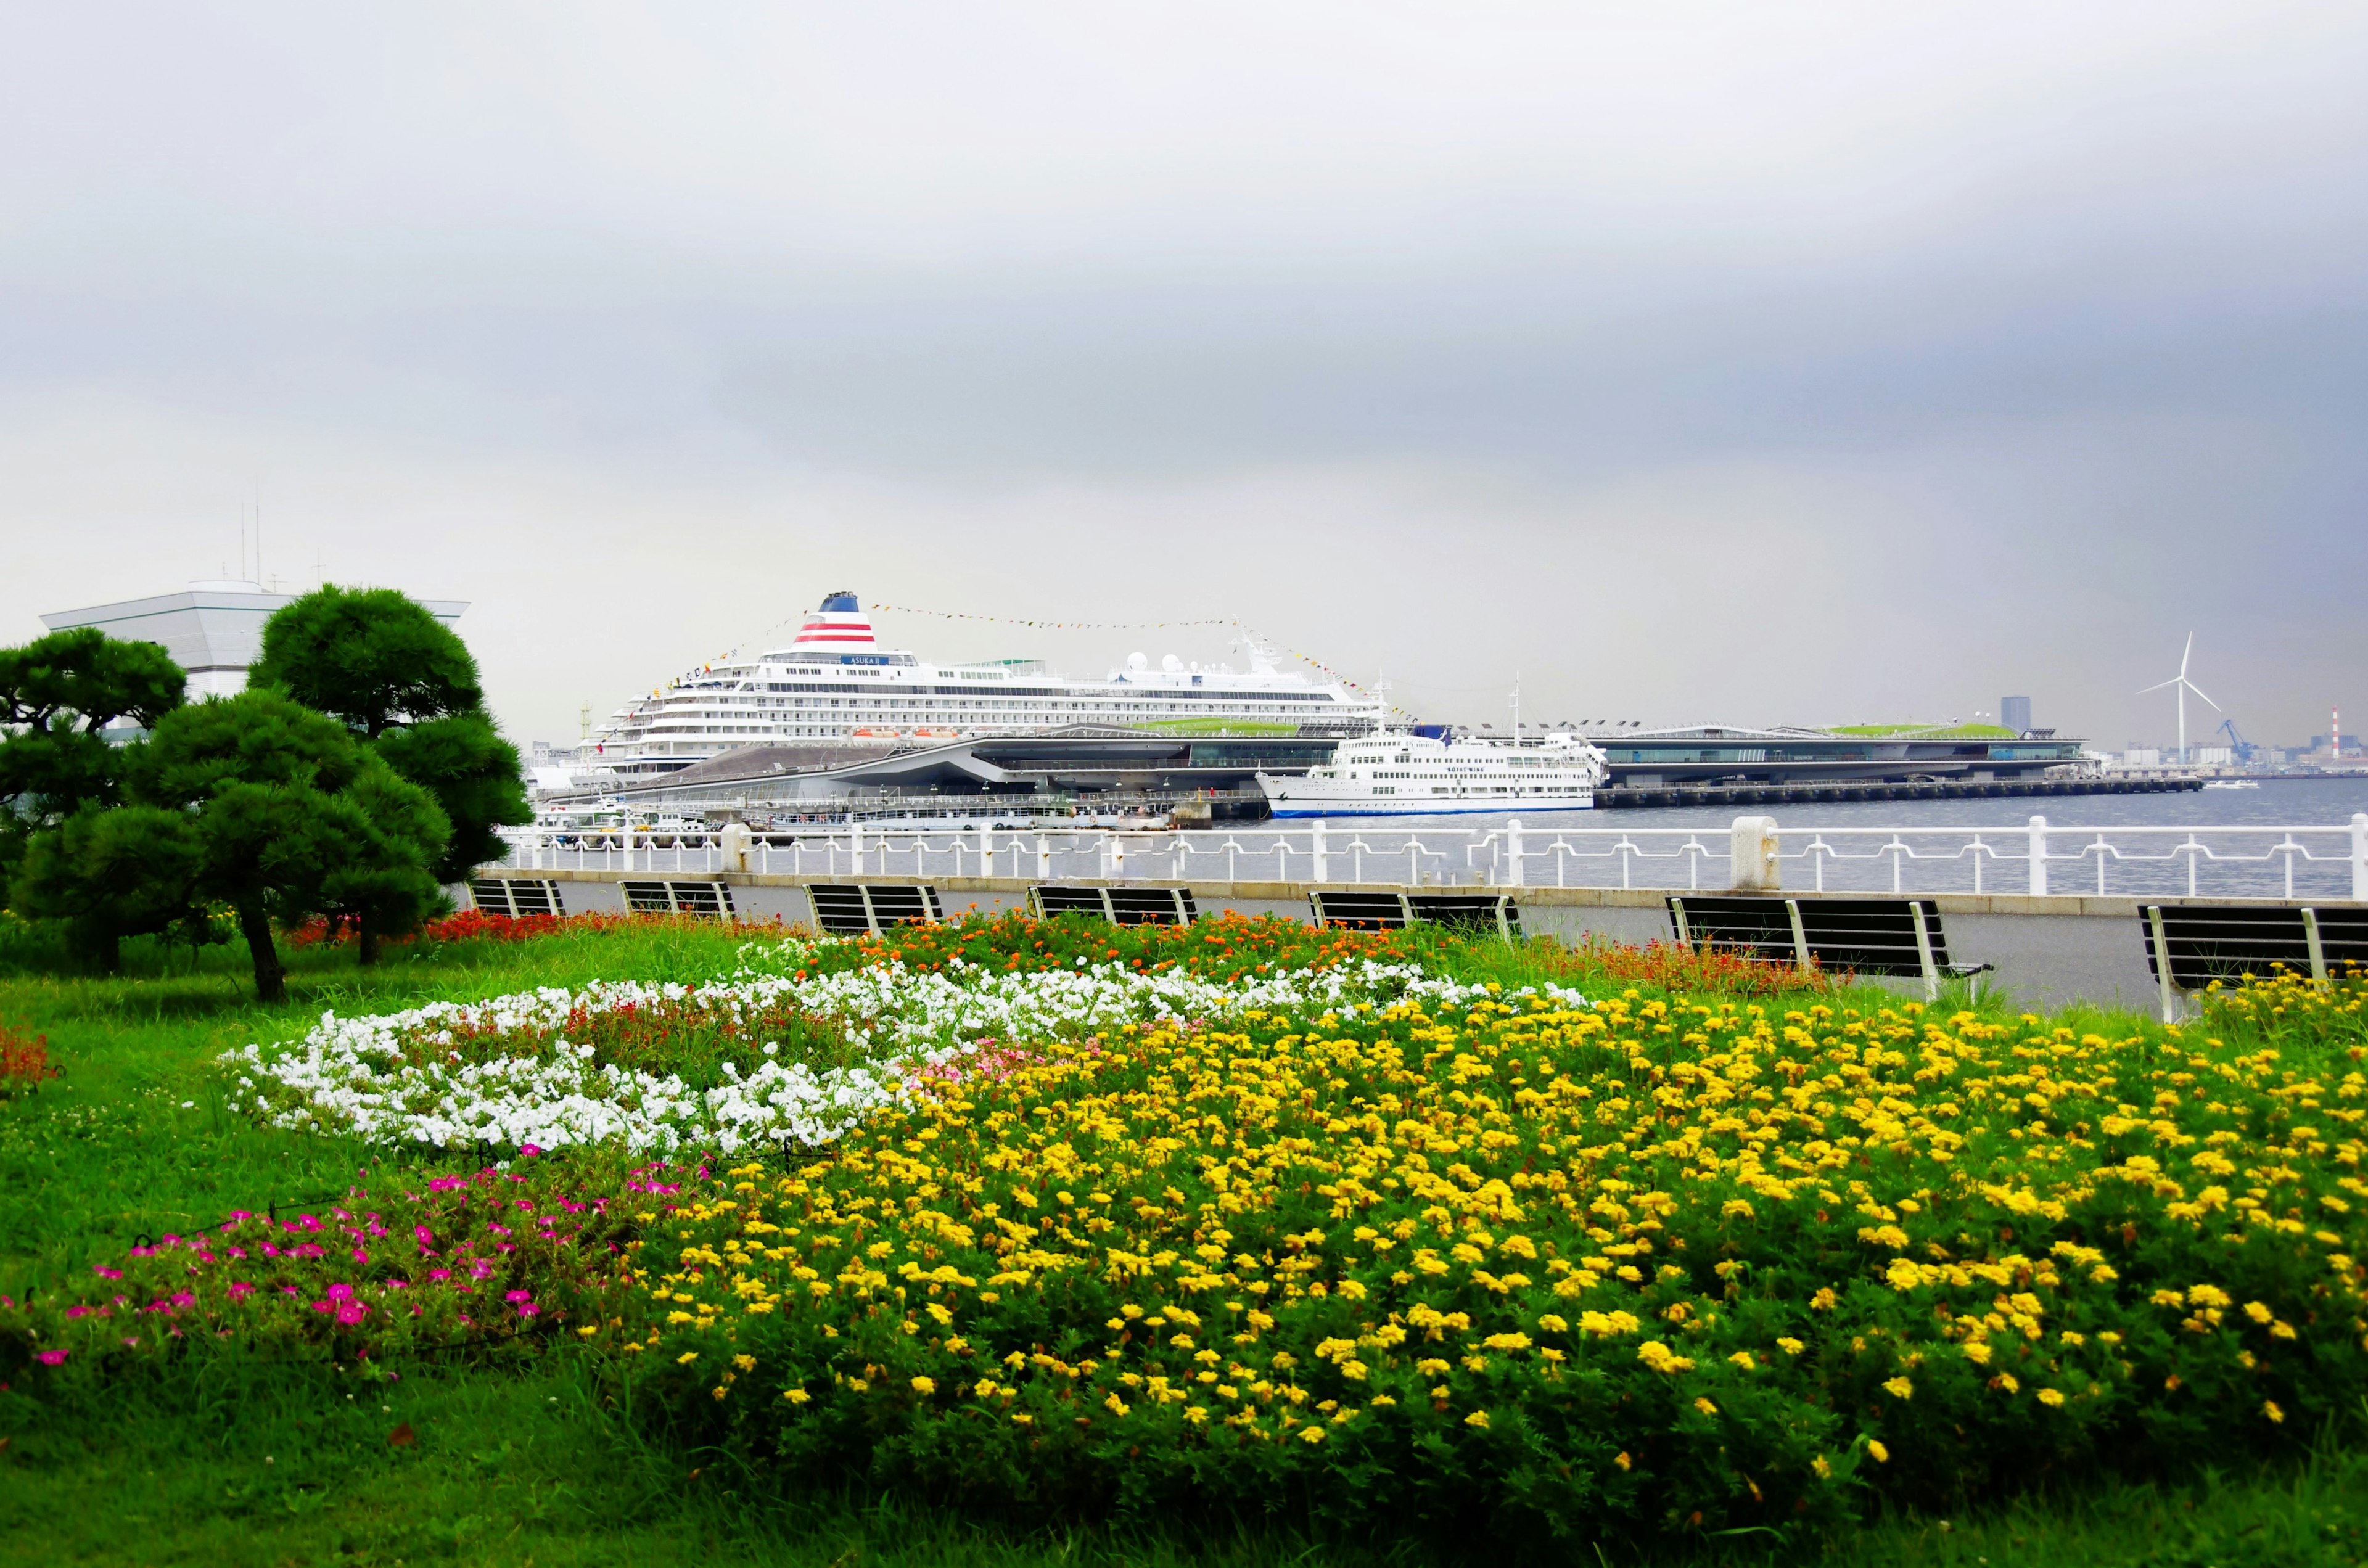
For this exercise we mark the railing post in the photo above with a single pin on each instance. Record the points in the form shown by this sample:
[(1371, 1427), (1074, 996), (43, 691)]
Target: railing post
[(1316, 844), (1043, 858), (855, 847), (1513, 852), (986, 852), (1117, 857), (1752, 848), (2359, 857), (2039, 857)]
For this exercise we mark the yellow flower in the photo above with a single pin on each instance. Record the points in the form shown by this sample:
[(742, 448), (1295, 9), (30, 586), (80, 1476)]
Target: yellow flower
[(686, 1358), (1820, 1464), (1882, 1455), (2270, 1408), (925, 1386), (1705, 1407), (1311, 1434), (1899, 1387), (1623, 1460), (1477, 1418), (2051, 1397), (1790, 1346), (796, 1396), (1977, 1352), (745, 1363)]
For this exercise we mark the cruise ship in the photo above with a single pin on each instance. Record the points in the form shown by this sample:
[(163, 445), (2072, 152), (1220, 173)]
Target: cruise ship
[(1393, 774), (835, 687)]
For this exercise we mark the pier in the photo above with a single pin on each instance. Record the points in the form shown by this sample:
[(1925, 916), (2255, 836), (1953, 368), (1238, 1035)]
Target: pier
[(1616, 797)]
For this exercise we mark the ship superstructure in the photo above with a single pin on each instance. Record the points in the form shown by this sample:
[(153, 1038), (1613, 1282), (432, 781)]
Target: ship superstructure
[(1393, 774), (834, 685)]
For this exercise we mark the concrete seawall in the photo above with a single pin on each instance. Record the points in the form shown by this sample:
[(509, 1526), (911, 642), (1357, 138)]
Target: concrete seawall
[(2048, 951)]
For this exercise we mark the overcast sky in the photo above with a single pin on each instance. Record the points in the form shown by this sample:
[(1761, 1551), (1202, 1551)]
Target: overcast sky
[(1765, 364)]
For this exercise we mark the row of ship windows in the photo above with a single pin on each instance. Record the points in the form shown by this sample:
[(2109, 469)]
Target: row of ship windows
[(1477, 789), (1197, 695)]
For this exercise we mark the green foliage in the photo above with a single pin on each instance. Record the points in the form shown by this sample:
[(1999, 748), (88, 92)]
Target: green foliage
[(113, 873), (371, 658), (390, 885), (381, 664), (57, 694), (291, 818), (472, 772)]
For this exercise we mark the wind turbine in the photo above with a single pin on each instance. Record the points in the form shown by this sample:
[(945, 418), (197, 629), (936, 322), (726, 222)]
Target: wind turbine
[(2184, 686)]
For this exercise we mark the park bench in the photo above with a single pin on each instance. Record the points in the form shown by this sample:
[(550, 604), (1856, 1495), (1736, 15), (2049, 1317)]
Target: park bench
[(1119, 907), (854, 909), (1900, 938), (2189, 946), (711, 900), (1488, 914), (515, 896)]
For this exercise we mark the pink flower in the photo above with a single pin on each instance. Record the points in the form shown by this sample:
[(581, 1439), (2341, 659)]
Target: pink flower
[(360, 1256), (353, 1313), (50, 1357), (529, 1150), (341, 1293), (183, 1298), (106, 1273), (519, 1296), (240, 1290), (76, 1312), (437, 1276), (423, 1234)]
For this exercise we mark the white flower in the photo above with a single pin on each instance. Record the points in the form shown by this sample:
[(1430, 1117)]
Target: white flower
[(373, 1077)]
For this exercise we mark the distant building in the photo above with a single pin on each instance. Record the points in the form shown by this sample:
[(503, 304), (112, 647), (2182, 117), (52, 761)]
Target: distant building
[(2014, 714), (2216, 757), (2142, 757), (214, 631)]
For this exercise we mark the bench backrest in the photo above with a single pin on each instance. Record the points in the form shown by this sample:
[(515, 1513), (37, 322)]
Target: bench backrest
[(849, 909), (1119, 907), (1490, 914), (2190, 945), (710, 899), (1896, 936)]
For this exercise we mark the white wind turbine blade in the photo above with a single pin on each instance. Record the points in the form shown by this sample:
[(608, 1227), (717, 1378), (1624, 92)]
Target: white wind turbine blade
[(2184, 654), (2198, 691), (2160, 684)]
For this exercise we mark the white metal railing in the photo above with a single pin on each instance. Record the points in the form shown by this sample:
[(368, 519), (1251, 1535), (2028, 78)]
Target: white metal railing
[(2313, 861)]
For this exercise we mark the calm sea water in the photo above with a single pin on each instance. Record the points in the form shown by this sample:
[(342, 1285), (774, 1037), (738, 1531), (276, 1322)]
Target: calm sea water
[(2233, 863)]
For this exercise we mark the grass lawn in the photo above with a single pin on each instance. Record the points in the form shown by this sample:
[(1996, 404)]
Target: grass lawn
[(530, 1461)]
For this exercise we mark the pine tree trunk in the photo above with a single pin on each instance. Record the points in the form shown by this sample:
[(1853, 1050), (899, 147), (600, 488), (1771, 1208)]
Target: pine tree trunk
[(368, 939), (270, 979)]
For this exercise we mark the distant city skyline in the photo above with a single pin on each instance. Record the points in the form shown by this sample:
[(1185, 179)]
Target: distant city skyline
[(1831, 364)]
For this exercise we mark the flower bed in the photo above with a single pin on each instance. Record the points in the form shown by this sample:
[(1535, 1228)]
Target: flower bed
[(1525, 1267), (822, 1033), (405, 1264)]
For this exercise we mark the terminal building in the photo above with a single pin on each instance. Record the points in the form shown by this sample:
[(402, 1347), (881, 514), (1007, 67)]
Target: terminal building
[(212, 630)]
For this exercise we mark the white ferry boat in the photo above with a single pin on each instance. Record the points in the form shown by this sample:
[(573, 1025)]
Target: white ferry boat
[(1393, 774), (834, 685)]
